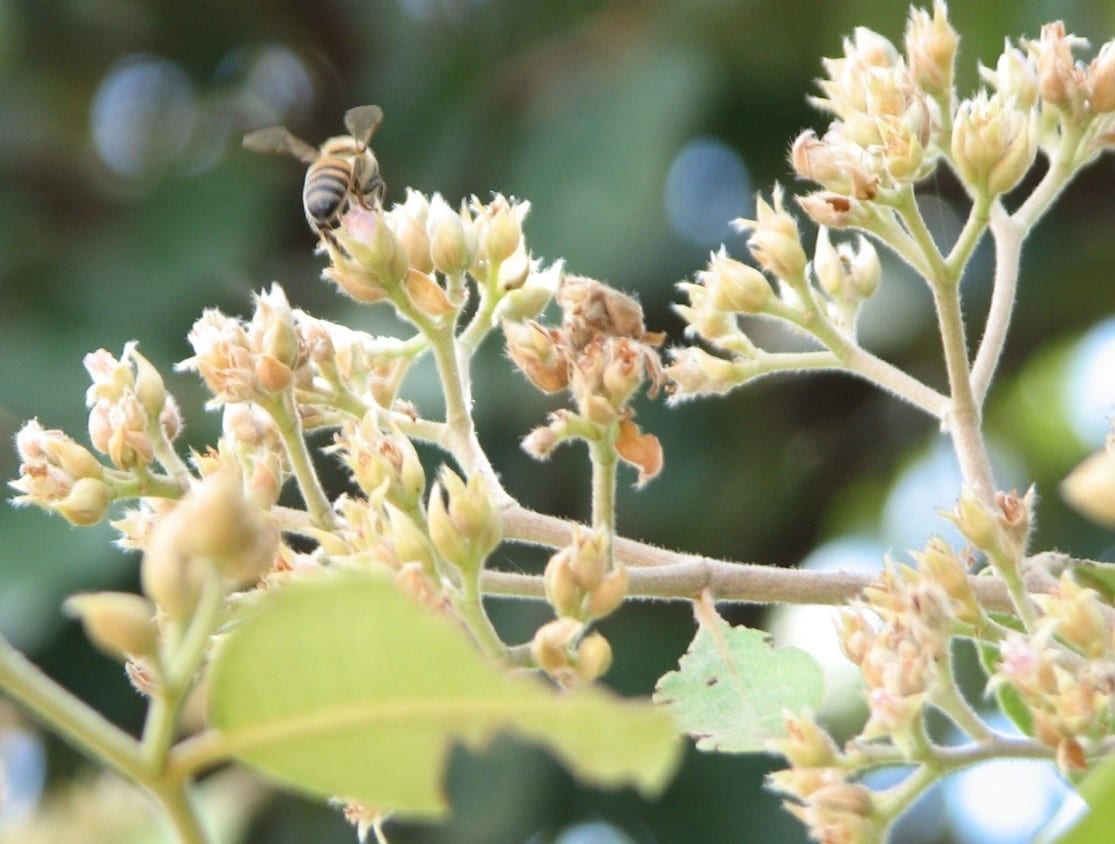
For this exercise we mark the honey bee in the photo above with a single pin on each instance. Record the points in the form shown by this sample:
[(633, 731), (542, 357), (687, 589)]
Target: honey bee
[(343, 169)]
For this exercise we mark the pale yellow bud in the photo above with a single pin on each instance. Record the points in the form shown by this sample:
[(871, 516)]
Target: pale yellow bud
[(993, 143), (119, 623), (149, 387), (272, 375), (775, 242), (931, 45), (411, 543), (500, 238), (806, 744), (594, 658), (609, 594), (87, 502), (415, 241), (550, 646), (449, 249), (734, 286), (562, 590), (1015, 75), (427, 295), (1090, 487)]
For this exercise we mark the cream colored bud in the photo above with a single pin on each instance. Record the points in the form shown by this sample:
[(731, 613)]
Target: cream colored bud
[(1101, 80), (562, 590), (149, 386), (977, 523), (775, 242), (524, 303), (867, 271), (73, 458), (594, 658), (273, 327), (443, 533), (1090, 487), (449, 249), (931, 45), (609, 594), (829, 267), (993, 143), (844, 797), (734, 286), (410, 541), (1015, 76), (412, 235), (538, 352), (550, 646), (87, 502), (168, 576), (500, 238), (119, 623), (806, 743)]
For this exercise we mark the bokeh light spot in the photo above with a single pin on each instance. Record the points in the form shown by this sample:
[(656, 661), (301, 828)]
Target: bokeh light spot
[(707, 187)]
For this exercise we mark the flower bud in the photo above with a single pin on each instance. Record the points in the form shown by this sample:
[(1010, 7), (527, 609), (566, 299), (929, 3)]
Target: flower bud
[(87, 502), (550, 646), (119, 623), (415, 241), (149, 387), (1058, 81), (1015, 76), (1090, 487), (609, 594), (449, 248), (594, 658), (806, 743), (562, 590), (410, 541), (993, 143), (469, 527), (1101, 80), (775, 242), (500, 237), (734, 286), (834, 210), (931, 49), (368, 238), (427, 295), (538, 352)]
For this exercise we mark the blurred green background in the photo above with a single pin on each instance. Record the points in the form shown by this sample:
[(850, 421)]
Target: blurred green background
[(637, 130)]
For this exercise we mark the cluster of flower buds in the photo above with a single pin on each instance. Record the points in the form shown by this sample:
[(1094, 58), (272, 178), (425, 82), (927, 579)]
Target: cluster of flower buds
[(342, 365), (1002, 531), (603, 354), (244, 362), (384, 464), (131, 419), (1064, 672), (396, 254), (580, 582), (828, 802), (900, 658), (567, 652), (464, 522), (833, 287)]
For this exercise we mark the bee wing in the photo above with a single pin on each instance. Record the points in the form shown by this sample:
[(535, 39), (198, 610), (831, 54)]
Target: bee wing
[(363, 121), (276, 140)]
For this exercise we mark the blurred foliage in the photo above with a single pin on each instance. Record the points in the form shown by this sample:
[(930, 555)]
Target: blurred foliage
[(128, 206)]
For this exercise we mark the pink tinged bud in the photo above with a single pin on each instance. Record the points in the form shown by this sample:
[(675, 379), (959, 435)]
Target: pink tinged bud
[(273, 376), (416, 242), (539, 353), (1059, 82), (427, 295), (1101, 80), (120, 624), (834, 210), (1090, 487), (368, 238)]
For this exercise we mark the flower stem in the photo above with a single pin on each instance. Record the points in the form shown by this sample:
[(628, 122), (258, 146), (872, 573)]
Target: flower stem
[(285, 414)]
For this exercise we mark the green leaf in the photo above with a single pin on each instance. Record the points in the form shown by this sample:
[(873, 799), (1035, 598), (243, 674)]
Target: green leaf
[(341, 686), (1098, 790), (1098, 576), (733, 688)]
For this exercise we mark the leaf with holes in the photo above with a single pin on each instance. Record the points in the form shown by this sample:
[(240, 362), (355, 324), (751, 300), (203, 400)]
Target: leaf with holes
[(732, 687), (339, 685)]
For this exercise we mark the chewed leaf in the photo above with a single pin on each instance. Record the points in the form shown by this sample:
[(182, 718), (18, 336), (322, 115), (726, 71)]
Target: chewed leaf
[(733, 688), (341, 686)]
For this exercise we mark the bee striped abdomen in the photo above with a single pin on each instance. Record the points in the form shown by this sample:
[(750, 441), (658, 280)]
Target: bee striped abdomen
[(328, 182)]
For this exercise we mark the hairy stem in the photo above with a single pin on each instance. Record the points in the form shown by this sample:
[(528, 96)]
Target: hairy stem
[(285, 413)]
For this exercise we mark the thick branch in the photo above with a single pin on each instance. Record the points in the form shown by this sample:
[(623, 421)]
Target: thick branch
[(671, 575)]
